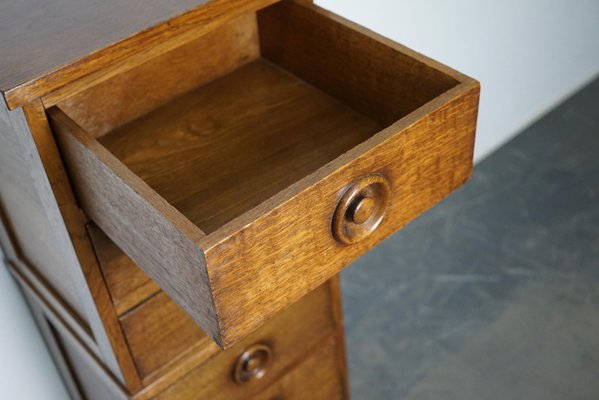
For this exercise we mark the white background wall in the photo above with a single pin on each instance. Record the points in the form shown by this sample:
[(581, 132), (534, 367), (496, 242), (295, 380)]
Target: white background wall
[(528, 55)]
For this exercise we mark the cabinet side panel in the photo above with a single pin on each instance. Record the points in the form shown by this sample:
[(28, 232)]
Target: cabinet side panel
[(28, 215), (49, 235)]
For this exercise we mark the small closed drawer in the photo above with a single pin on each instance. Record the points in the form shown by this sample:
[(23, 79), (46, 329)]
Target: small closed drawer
[(265, 357), (162, 338), (316, 376), (305, 142)]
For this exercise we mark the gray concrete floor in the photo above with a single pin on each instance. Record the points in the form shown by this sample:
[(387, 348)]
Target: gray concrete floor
[(494, 293)]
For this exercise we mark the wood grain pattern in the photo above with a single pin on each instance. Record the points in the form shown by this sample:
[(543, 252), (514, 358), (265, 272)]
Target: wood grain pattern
[(159, 333), (94, 295), (128, 285), (48, 232), (361, 209), (317, 377), (291, 336), (219, 151), (30, 212), (47, 45), (376, 76), (157, 235), (337, 315), (271, 250), (259, 160), (133, 93), (295, 334), (101, 375)]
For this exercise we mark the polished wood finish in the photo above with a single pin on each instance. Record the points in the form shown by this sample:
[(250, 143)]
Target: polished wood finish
[(170, 256), (294, 337), (291, 336), (32, 214), (253, 363), (376, 76), (219, 151), (128, 285), (159, 333), (229, 190), (48, 233), (193, 64), (228, 159), (99, 308), (317, 377), (47, 45)]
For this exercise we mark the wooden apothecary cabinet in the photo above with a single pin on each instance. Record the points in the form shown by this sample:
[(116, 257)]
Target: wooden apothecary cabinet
[(195, 175)]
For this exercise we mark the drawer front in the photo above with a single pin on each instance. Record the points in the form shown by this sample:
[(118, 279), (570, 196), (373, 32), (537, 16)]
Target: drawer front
[(160, 335), (291, 249), (377, 134), (316, 376), (262, 358)]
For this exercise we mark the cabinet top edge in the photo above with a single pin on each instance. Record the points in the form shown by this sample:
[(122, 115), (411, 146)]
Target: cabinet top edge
[(48, 44)]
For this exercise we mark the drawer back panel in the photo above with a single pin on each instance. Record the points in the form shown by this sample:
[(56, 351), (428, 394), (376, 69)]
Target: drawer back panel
[(133, 93)]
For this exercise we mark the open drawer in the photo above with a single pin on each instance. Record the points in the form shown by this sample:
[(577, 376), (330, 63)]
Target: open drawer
[(304, 142)]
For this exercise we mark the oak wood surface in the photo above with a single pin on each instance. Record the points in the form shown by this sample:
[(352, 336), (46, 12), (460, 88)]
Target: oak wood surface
[(101, 375), (157, 236), (425, 156), (292, 335), (29, 208), (93, 294), (295, 335), (48, 44), (258, 160), (374, 75), (337, 313), (219, 151), (47, 230), (159, 333), (128, 284), (318, 377), (135, 92)]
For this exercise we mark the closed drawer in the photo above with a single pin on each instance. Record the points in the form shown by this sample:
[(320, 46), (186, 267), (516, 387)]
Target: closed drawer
[(161, 336), (317, 376), (249, 191)]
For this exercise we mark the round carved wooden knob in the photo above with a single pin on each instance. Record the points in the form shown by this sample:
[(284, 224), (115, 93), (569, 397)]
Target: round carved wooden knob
[(361, 209), (252, 364)]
